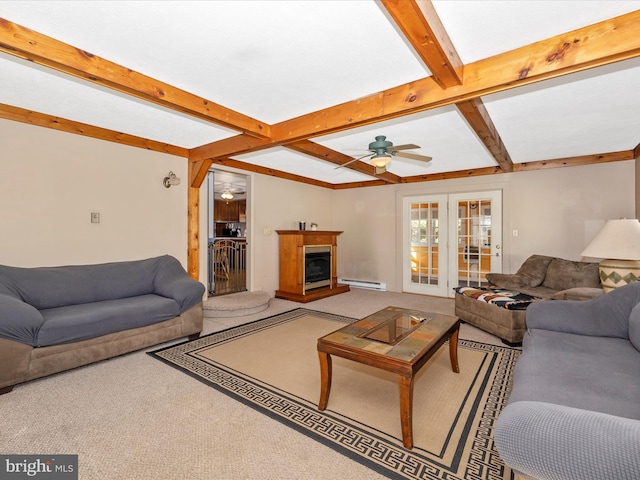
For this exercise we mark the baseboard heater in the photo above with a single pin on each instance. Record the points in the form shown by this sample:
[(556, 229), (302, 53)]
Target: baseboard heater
[(364, 284)]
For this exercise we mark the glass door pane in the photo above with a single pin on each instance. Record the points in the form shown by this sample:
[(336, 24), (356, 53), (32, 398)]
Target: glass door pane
[(424, 251), (478, 232), (424, 243), (474, 258)]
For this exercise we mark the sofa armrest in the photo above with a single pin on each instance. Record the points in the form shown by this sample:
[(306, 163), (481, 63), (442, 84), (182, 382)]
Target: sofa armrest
[(172, 281), (604, 316), (19, 320), (578, 294), (543, 440)]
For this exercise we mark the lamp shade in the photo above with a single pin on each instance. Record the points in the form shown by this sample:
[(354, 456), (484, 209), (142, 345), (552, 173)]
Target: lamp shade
[(618, 239), (380, 160)]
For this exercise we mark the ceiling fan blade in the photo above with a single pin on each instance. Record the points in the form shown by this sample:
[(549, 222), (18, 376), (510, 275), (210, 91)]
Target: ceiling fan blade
[(413, 156), (354, 160), (408, 146)]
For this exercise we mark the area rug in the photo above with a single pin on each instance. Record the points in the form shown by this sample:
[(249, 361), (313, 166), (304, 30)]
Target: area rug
[(272, 365)]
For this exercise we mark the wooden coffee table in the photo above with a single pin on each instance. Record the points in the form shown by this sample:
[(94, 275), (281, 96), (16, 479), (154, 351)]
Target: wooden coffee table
[(397, 340)]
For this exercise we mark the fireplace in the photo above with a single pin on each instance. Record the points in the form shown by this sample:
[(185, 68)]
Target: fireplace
[(308, 265), (317, 266)]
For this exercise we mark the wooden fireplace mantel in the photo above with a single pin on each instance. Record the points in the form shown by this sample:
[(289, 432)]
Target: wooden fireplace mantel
[(292, 243)]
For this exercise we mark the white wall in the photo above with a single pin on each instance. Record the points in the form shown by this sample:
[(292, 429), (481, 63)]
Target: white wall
[(277, 204), (556, 212), (51, 181)]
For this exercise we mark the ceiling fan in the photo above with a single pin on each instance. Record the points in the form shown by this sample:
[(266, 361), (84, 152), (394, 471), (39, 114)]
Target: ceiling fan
[(229, 190), (382, 152)]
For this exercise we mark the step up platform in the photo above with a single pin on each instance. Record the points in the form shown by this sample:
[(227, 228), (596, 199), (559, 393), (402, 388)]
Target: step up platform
[(235, 304)]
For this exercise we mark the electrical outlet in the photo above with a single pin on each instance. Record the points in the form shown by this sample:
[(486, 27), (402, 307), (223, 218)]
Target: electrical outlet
[(515, 233), (95, 217), (267, 231)]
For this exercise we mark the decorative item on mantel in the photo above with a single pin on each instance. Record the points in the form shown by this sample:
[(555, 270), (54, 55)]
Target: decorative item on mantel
[(619, 244), (314, 226)]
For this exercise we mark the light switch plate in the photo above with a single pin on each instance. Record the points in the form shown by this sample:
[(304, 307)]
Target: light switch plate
[(95, 217)]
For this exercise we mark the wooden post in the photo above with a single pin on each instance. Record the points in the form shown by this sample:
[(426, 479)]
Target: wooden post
[(193, 228)]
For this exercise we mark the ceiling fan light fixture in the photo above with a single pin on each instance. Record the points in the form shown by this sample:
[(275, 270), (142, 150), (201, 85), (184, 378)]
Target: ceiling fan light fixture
[(381, 160), (226, 195)]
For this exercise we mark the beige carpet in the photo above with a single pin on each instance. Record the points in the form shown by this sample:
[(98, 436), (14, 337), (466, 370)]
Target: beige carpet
[(272, 366), (133, 418)]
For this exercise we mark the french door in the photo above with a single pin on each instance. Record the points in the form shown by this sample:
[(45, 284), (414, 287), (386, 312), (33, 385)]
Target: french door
[(450, 240)]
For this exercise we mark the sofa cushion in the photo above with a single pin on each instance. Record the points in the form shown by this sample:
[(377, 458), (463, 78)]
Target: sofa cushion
[(534, 269), (591, 373), (79, 322), (634, 327), (508, 281), (563, 274), (51, 287)]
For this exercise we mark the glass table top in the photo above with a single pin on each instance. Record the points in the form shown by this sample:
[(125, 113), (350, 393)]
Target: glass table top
[(395, 332)]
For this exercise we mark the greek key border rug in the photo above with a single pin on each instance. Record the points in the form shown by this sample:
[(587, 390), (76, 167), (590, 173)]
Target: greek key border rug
[(253, 363)]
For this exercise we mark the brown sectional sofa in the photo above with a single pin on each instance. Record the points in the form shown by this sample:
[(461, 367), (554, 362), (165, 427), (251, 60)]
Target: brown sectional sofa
[(541, 276)]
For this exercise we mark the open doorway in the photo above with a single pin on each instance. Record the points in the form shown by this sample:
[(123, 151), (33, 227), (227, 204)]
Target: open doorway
[(227, 233)]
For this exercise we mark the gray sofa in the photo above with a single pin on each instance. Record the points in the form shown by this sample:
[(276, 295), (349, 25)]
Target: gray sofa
[(574, 411), (540, 276), (56, 318)]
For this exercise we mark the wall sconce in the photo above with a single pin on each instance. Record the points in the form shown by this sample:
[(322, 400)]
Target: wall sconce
[(171, 179)]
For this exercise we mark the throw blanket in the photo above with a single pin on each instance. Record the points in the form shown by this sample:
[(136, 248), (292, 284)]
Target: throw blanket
[(509, 299)]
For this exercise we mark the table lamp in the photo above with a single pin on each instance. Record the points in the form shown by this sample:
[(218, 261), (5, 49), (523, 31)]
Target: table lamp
[(618, 243)]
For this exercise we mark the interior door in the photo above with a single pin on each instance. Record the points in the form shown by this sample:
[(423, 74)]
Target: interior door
[(475, 223), (450, 240), (425, 244)]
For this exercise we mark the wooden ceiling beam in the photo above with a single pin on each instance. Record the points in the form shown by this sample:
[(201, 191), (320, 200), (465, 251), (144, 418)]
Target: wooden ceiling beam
[(63, 125), (592, 46), (202, 157), (431, 177), (229, 162), (596, 45), (321, 152), (530, 166), (478, 118), (368, 183), (422, 27), (574, 161), (236, 145), (30, 45), (420, 23)]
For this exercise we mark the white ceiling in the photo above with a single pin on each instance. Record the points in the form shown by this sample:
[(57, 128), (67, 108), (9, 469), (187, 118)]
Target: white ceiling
[(275, 60)]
